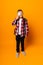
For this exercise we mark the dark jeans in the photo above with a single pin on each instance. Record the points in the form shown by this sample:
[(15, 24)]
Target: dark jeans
[(18, 40)]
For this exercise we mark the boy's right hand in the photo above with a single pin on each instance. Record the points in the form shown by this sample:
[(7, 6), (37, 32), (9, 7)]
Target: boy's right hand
[(17, 17)]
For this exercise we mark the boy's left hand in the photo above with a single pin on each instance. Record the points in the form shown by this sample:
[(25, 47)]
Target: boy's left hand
[(26, 35)]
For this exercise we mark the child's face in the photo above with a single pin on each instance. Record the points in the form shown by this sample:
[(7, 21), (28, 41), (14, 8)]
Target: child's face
[(20, 14)]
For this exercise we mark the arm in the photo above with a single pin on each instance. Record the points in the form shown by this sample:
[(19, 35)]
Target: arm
[(14, 22), (26, 27)]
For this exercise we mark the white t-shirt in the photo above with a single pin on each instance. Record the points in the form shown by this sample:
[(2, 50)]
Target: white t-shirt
[(20, 20)]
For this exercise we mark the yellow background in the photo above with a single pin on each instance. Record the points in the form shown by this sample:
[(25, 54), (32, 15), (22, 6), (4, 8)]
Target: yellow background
[(33, 11)]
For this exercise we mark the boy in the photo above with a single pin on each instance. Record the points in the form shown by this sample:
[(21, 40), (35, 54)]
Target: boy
[(20, 31)]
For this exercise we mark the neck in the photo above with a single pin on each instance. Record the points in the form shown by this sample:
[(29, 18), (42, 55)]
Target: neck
[(21, 17)]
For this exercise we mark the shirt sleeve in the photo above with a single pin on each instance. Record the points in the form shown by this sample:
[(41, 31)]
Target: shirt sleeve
[(14, 22), (26, 27)]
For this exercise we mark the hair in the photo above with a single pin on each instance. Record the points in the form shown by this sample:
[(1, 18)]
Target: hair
[(19, 10)]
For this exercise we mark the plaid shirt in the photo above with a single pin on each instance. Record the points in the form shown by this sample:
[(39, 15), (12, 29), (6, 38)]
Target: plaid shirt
[(24, 27)]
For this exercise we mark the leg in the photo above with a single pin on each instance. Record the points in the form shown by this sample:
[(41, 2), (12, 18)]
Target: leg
[(17, 43), (22, 46), (22, 43)]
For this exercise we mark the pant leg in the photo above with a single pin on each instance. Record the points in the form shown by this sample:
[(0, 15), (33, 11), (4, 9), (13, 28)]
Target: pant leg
[(17, 43), (22, 43)]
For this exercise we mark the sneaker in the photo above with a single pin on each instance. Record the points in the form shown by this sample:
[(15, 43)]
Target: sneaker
[(17, 54), (23, 53)]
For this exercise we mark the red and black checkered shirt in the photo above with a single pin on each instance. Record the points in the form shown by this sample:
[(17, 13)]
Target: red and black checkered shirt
[(24, 27)]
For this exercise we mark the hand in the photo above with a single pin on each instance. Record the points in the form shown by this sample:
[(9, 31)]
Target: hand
[(17, 17), (26, 35)]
